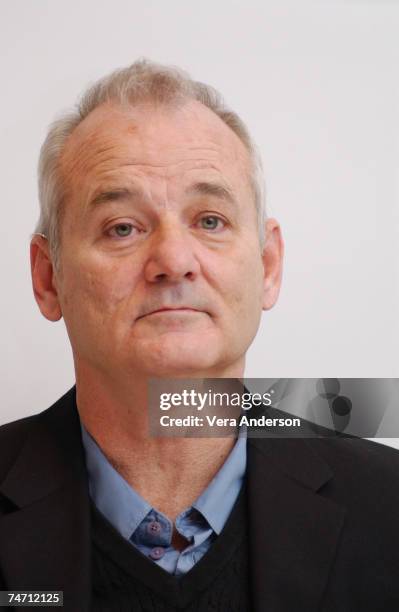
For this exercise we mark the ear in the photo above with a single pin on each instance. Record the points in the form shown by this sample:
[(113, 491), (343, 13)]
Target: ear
[(272, 256), (43, 278)]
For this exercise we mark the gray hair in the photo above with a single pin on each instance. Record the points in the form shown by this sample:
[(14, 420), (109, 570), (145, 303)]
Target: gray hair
[(141, 82)]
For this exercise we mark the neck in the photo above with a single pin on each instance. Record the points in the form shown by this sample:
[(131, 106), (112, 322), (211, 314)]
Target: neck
[(115, 413)]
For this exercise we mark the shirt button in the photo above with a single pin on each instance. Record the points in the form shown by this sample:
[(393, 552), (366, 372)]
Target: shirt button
[(154, 527), (157, 553)]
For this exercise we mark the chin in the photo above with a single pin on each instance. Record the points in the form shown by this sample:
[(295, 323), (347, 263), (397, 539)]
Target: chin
[(178, 356)]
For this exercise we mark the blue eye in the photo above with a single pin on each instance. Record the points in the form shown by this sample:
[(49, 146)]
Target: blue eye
[(210, 222), (123, 230)]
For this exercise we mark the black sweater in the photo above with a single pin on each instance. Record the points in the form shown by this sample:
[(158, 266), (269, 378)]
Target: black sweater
[(124, 580)]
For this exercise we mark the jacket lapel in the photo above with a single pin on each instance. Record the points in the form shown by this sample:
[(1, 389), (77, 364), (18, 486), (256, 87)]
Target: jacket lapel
[(293, 530), (45, 540)]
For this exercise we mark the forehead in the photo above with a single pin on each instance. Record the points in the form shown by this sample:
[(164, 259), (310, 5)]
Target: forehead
[(160, 141)]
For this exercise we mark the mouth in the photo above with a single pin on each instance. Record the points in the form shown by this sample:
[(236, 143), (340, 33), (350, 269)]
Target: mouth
[(166, 309)]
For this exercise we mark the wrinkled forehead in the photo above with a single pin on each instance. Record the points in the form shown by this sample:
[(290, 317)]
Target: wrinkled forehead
[(160, 139)]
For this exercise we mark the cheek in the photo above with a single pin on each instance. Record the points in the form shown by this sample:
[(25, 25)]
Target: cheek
[(240, 282), (96, 292)]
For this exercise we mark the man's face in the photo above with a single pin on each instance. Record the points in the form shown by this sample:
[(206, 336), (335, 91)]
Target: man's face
[(161, 267)]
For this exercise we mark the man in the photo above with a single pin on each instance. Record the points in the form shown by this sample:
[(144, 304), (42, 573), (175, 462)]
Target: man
[(153, 246)]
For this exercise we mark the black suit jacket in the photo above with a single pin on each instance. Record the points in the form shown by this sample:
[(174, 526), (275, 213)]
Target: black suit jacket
[(323, 518)]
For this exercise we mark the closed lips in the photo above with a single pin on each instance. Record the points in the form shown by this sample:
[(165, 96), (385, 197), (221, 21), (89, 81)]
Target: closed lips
[(180, 308)]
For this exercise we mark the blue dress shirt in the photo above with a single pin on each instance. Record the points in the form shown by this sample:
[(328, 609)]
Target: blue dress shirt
[(150, 530)]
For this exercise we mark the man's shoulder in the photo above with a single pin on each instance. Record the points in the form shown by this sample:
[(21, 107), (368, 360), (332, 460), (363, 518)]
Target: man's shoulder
[(363, 470), (353, 461), (18, 427), (14, 431), (14, 434), (344, 469), (12, 438), (357, 453)]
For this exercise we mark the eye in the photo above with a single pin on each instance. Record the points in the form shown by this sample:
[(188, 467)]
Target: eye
[(121, 230), (211, 222)]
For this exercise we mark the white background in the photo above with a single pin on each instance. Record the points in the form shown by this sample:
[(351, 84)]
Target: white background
[(317, 84)]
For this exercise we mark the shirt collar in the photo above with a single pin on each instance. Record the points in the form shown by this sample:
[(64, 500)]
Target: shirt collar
[(217, 501), (125, 508), (113, 496)]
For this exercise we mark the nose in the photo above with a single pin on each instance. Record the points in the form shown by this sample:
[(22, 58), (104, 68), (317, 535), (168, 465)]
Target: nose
[(171, 255)]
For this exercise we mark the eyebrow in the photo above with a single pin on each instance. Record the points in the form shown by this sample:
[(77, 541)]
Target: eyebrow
[(212, 189), (206, 188), (114, 195)]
